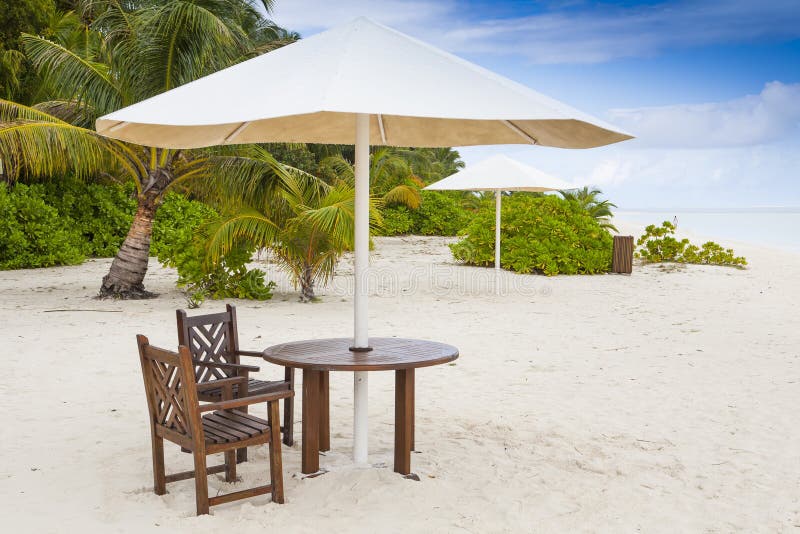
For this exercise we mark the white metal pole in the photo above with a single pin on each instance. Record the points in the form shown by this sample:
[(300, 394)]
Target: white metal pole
[(497, 204), (361, 288)]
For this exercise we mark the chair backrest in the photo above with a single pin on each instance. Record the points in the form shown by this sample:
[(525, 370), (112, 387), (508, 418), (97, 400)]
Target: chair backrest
[(210, 338), (170, 388)]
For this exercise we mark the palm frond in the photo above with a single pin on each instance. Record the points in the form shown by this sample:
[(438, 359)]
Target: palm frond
[(78, 79), (404, 194), (247, 224), (26, 134)]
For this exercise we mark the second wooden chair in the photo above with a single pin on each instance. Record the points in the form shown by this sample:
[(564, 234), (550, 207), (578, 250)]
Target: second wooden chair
[(214, 339)]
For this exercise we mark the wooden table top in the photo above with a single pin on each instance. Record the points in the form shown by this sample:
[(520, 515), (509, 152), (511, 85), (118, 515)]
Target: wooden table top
[(389, 353)]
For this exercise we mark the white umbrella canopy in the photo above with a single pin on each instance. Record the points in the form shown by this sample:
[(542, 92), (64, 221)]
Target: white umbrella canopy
[(500, 173), (415, 94), (360, 83)]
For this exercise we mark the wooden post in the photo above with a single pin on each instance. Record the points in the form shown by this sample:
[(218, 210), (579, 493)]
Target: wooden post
[(623, 254)]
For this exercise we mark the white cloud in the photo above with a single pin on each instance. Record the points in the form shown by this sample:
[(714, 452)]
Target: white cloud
[(772, 115)]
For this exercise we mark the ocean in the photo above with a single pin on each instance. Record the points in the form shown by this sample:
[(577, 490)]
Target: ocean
[(772, 227)]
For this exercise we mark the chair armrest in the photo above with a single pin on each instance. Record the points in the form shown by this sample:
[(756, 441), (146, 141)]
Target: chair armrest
[(234, 366), (252, 353), (221, 383), (246, 401)]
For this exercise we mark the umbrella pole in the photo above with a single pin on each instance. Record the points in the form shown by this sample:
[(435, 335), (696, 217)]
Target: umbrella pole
[(361, 293), (497, 202)]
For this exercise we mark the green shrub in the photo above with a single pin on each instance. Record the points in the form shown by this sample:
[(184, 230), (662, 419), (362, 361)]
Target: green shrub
[(658, 245), (439, 213), (397, 220), (545, 235), (177, 242), (32, 234), (102, 213)]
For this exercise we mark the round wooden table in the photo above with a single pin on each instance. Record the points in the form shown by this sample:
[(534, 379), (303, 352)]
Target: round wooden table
[(320, 356)]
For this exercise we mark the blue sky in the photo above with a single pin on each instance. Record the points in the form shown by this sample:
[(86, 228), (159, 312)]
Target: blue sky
[(711, 89)]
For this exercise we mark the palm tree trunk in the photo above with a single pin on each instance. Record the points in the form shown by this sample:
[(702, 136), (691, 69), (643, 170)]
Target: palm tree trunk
[(307, 284), (125, 279)]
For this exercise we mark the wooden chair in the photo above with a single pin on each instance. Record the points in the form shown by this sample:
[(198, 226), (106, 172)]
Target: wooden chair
[(176, 415), (214, 338)]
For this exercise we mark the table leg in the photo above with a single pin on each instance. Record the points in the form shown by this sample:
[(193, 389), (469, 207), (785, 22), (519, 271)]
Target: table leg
[(310, 454), (324, 412), (403, 419)]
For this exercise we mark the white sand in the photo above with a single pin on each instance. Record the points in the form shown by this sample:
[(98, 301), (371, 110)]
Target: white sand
[(659, 402)]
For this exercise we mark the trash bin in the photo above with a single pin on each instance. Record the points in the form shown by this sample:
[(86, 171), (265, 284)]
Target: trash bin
[(622, 262)]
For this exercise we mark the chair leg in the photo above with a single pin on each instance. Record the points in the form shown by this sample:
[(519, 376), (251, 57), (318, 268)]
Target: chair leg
[(275, 462), (230, 466), (200, 481), (241, 454), (159, 473), (288, 421)]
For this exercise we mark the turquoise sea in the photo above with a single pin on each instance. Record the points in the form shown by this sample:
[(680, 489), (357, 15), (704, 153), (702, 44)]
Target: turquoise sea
[(772, 227)]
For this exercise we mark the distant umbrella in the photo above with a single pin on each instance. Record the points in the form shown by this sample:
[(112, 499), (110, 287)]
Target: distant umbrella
[(500, 173)]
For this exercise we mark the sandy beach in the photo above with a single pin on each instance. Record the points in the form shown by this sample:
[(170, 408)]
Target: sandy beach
[(665, 401)]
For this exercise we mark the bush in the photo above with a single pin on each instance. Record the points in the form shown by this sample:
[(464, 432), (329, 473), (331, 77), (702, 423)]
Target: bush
[(101, 213), (440, 213), (657, 245), (397, 220), (32, 234), (545, 235), (177, 243)]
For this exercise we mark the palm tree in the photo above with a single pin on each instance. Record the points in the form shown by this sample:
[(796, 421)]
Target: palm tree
[(306, 222), (116, 54), (433, 164), (589, 200), (390, 174)]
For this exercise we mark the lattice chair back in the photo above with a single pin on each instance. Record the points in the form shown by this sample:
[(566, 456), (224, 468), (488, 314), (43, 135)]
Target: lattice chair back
[(210, 338), (170, 387)]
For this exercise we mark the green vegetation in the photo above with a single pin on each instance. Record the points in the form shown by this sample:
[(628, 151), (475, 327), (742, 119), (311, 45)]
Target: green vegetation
[(539, 234), (101, 213), (178, 243), (439, 213), (306, 222), (32, 234), (658, 245), (589, 200), (64, 221), (61, 222)]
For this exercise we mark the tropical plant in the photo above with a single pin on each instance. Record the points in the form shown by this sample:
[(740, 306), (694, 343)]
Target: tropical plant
[(543, 234), (101, 212), (16, 17), (178, 243), (304, 221), (129, 51), (439, 213), (390, 174), (432, 164), (589, 199), (658, 245), (31, 232)]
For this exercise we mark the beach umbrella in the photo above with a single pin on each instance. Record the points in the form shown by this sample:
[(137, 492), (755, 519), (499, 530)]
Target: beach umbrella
[(500, 173), (364, 84)]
